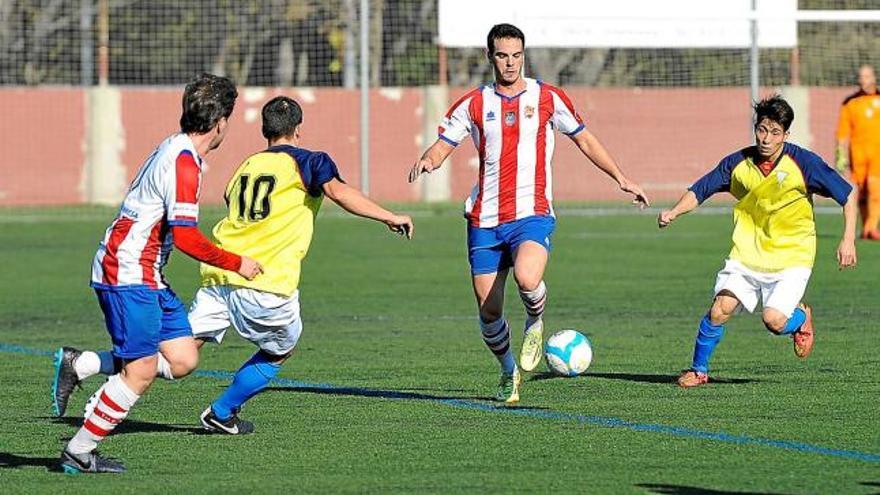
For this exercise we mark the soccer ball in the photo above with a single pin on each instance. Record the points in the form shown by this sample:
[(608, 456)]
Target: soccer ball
[(568, 353)]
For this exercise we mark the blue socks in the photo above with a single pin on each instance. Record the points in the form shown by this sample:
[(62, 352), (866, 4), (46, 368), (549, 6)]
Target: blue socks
[(795, 322), (249, 380), (707, 339)]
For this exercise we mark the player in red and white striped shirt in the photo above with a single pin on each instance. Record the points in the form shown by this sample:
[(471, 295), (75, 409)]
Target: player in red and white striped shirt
[(510, 212), (142, 314)]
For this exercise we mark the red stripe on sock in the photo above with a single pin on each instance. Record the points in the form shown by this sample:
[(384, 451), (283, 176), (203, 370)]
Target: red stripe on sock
[(107, 400), (95, 429), (106, 417)]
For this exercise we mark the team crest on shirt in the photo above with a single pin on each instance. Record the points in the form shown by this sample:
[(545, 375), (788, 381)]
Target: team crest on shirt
[(509, 118), (490, 116), (529, 111), (780, 177)]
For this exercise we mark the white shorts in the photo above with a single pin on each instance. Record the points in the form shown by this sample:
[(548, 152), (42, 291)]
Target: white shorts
[(270, 321), (781, 291)]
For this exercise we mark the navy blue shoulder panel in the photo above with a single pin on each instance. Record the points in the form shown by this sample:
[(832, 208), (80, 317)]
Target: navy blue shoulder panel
[(821, 179), (718, 179), (315, 167)]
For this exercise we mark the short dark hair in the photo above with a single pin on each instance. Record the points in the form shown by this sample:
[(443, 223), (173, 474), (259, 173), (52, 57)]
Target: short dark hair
[(281, 115), (776, 109), (206, 99), (499, 31)]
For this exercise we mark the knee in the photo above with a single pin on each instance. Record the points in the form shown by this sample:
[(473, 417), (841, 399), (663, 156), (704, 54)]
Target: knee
[(184, 363), (528, 282)]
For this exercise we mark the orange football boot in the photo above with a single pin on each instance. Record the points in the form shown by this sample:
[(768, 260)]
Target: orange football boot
[(803, 338), (691, 378)]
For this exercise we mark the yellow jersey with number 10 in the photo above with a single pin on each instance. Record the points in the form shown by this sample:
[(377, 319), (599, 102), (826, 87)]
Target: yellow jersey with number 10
[(272, 200)]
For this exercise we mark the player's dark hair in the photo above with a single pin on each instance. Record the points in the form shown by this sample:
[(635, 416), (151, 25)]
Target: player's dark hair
[(776, 109), (281, 115), (500, 31), (206, 99)]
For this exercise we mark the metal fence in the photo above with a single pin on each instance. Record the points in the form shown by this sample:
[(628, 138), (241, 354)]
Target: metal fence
[(375, 80)]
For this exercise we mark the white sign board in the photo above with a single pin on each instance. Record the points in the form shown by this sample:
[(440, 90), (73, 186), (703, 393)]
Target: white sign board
[(621, 23)]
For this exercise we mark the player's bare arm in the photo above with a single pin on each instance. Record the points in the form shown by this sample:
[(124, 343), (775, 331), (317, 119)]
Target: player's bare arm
[(431, 159), (353, 201), (593, 149), (687, 203), (846, 250)]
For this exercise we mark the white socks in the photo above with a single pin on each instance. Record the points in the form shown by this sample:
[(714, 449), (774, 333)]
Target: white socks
[(114, 402), (91, 363), (87, 364)]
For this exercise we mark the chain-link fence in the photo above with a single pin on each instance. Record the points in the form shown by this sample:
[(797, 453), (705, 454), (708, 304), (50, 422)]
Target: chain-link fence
[(667, 114)]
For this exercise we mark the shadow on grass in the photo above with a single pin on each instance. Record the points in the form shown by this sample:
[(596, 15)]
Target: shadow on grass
[(692, 490), (9, 460), (402, 395), (369, 392), (640, 377), (872, 484), (131, 426)]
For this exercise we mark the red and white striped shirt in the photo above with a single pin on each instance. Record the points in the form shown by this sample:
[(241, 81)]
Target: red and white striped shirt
[(514, 138), (163, 194)]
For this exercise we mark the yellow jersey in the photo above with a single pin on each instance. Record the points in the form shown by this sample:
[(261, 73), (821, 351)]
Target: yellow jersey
[(272, 200), (773, 221)]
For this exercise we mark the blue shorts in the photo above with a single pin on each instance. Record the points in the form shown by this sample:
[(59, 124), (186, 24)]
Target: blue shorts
[(491, 250), (138, 319)]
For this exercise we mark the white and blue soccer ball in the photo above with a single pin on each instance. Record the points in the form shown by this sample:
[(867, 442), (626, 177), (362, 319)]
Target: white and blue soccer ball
[(568, 353)]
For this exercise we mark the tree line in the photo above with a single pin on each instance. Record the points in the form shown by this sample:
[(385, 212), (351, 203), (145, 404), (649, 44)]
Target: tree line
[(315, 43)]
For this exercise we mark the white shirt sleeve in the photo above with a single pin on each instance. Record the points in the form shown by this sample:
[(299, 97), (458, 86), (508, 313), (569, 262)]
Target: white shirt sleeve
[(565, 117), (457, 123)]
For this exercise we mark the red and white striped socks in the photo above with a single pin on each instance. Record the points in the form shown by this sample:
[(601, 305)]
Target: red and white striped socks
[(114, 402)]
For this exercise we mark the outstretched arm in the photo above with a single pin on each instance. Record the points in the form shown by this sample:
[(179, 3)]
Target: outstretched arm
[(353, 201), (596, 152), (431, 159), (687, 203), (192, 242), (846, 250)]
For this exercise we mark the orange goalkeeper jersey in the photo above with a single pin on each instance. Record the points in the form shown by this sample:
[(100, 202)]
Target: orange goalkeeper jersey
[(860, 120)]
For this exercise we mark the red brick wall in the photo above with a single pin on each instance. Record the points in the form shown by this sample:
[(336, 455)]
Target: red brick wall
[(664, 138), (42, 138)]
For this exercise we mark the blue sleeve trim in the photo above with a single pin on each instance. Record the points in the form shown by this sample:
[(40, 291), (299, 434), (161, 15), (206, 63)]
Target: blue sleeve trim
[(183, 223), (574, 132), (120, 288), (820, 178), (446, 139), (718, 180)]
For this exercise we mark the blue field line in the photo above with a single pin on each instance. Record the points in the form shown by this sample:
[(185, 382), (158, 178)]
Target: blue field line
[(602, 421)]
